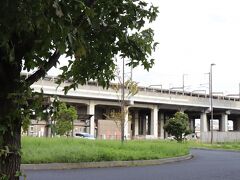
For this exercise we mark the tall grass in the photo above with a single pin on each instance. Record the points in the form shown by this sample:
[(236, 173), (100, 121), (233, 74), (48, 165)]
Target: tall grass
[(50, 150)]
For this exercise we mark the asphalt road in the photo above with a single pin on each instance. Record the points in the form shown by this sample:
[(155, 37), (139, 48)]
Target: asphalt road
[(206, 165)]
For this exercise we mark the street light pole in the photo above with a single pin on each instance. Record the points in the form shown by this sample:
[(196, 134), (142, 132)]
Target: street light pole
[(183, 81), (211, 100), (123, 102), (239, 90)]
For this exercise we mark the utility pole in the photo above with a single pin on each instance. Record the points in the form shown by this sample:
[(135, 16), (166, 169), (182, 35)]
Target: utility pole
[(123, 103), (239, 90), (211, 101), (131, 78), (183, 82)]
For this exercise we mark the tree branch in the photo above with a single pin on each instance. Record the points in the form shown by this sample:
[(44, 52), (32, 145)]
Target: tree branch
[(41, 72), (89, 3), (52, 60)]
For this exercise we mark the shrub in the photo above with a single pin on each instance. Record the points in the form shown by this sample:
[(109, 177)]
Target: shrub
[(178, 126)]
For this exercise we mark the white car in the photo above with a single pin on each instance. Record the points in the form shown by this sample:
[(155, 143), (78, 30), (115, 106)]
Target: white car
[(84, 135), (192, 136)]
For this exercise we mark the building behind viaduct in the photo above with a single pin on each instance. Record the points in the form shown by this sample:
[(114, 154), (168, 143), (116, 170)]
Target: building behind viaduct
[(149, 112)]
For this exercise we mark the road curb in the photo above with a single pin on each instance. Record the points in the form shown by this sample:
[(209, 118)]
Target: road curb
[(103, 164)]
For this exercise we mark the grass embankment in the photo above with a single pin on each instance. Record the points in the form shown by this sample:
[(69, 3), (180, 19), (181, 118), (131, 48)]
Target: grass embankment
[(64, 150)]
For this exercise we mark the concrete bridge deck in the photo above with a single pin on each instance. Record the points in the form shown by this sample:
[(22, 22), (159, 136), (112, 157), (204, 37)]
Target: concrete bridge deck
[(151, 107)]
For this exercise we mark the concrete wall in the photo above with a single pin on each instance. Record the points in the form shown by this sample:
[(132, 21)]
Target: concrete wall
[(37, 129), (108, 129), (220, 136)]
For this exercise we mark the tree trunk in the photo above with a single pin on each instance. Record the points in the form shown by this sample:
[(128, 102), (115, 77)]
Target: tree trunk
[(10, 138), (10, 160), (10, 119)]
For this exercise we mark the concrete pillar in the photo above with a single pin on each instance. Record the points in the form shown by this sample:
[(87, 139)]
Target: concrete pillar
[(203, 122), (91, 111), (154, 121), (165, 121), (209, 124), (181, 110), (49, 126), (161, 119), (191, 125), (194, 125), (136, 119), (144, 123), (126, 134), (224, 122), (236, 125)]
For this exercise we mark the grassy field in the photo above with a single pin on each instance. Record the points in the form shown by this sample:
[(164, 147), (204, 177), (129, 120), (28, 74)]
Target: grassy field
[(64, 150), (49, 150)]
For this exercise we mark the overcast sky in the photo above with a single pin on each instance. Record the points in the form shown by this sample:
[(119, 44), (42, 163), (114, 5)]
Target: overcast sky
[(192, 35)]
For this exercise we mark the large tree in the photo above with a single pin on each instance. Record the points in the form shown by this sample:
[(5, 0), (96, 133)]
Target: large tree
[(89, 33)]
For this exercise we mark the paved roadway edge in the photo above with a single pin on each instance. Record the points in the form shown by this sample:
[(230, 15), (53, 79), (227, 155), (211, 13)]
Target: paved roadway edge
[(103, 164)]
